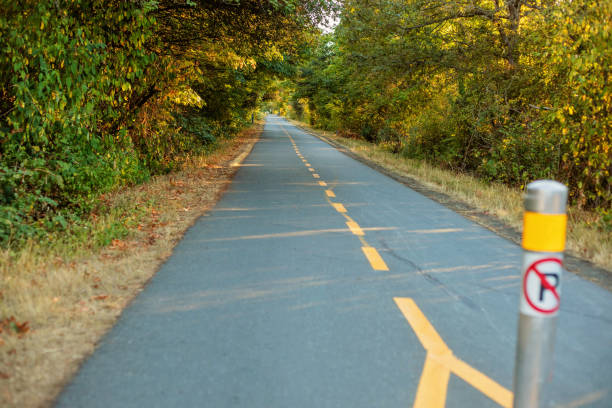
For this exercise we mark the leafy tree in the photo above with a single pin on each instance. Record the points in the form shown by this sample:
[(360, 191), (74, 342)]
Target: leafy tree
[(99, 94), (511, 91)]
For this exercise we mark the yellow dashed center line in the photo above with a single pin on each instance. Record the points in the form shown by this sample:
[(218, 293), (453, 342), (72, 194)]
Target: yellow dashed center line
[(440, 361), (355, 228), (375, 259), (339, 207), (370, 252)]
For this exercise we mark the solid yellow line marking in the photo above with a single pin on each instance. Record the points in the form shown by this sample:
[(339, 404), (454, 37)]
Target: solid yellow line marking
[(437, 374), (433, 380), (316, 175), (375, 259), (428, 336), (355, 228), (339, 207), (330, 193), (322, 184), (481, 382)]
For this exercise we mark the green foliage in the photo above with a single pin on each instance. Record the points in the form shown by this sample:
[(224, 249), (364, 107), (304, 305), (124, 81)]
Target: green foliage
[(68, 71), (101, 94), (198, 127), (581, 54), (510, 92)]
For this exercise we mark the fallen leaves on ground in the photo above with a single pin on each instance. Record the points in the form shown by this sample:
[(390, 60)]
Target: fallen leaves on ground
[(100, 297), (10, 325), (87, 293)]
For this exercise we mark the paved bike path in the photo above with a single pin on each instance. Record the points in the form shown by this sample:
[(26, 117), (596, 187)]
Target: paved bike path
[(270, 300)]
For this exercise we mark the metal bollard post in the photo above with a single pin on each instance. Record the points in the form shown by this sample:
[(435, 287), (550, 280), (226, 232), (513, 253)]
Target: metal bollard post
[(544, 229)]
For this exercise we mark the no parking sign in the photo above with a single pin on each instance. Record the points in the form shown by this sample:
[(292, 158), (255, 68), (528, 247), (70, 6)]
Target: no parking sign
[(544, 229), (541, 288)]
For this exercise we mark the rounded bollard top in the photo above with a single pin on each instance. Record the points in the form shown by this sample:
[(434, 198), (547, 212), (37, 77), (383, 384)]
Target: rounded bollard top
[(546, 197)]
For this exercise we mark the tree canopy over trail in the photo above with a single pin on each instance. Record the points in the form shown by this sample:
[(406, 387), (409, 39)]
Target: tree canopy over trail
[(97, 94), (509, 90)]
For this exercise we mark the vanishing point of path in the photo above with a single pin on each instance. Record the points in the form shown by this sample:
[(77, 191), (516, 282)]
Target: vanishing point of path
[(318, 282)]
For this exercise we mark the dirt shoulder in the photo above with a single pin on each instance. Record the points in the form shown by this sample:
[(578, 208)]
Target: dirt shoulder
[(63, 305), (505, 222)]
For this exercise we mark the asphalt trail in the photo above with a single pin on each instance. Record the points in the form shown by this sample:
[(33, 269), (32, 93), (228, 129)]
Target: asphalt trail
[(270, 300)]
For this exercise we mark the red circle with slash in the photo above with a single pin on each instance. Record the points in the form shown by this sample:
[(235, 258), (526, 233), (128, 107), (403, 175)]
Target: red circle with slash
[(533, 268)]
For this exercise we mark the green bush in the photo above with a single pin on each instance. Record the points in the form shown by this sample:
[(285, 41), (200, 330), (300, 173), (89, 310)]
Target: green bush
[(70, 70), (508, 94)]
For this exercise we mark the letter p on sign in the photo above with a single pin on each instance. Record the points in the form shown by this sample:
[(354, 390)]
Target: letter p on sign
[(540, 294)]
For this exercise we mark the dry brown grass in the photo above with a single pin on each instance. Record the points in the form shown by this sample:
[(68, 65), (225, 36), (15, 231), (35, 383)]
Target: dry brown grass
[(65, 297), (584, 239)]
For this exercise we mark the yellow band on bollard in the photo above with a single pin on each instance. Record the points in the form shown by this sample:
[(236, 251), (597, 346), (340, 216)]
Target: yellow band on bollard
[(544, 232)]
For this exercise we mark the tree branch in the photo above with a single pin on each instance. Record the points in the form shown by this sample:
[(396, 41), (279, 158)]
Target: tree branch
[(475, 12), (539, 107)]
